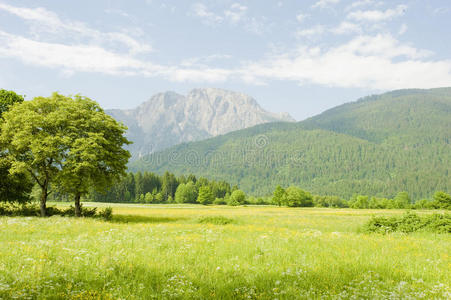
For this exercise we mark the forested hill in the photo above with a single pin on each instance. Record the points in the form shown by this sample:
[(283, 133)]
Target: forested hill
[(378, 145)]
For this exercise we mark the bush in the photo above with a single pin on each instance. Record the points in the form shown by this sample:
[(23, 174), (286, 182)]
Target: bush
[(233, 202), (410, 222), (33, 210), (239, 197), (106, 214), (219, 201), (296, 197), (216, 220)]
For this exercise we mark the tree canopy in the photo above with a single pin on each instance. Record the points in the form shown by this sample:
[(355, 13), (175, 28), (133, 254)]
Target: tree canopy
[(13, 187), (68, 142)]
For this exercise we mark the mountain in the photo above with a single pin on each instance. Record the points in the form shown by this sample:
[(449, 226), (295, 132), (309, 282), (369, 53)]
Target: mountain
[(378, 145), (167, 119)]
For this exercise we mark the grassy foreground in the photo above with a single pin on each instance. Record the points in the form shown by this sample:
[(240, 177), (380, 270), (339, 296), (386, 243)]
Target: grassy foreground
[(194, 252)]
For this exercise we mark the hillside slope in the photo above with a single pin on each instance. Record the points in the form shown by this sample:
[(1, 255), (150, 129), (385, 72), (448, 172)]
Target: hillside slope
[(378, 145)]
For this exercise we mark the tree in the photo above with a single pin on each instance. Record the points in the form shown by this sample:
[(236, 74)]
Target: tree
[(359, 201), (442, 200), (36, 144), (67, 141), (402, 200), (205, 195), (297, 197), (169, 185), (13, 187), (148, 198), (279, 194), (238, 196), (186, 193), (8, 99), (94, 157)]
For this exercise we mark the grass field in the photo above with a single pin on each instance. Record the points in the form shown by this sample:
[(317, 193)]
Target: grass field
[(195, 252)]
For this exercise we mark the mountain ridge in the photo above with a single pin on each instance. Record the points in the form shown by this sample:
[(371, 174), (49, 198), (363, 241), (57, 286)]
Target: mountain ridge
[(169, 118)]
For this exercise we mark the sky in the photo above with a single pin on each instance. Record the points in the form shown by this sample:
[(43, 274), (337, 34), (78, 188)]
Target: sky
[(300, 57)]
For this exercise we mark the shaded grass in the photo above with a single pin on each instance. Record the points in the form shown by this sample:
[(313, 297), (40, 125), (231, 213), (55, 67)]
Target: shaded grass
[(216, 220), (144, 219)]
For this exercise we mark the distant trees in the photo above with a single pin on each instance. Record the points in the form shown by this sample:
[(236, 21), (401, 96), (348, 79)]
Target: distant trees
[(186, 193), (296, 197), (205, 195), (442, 200), (278, 195), (67, 142), (238, 197), (148, 187)]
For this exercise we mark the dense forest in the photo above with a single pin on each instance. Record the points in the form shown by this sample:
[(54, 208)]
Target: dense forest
[(378, 145), (148, 187)]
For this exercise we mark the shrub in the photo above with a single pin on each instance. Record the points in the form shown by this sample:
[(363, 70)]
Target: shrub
[(410, 222), (238, 196), (219, 201), (296, 197), (32, 210), (106, 213), (216, 220)]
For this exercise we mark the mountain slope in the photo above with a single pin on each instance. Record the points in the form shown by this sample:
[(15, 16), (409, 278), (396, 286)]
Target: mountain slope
[(168, 118), (378, 145)]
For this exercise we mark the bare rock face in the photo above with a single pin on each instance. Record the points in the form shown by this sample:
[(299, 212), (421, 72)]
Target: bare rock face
[(168, 118)]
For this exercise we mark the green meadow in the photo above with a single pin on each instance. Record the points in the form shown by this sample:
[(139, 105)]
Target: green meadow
[(213, 252)]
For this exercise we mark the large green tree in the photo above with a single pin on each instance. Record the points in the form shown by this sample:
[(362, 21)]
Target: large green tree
[(34, 136), (13, 187), (95, 157), (67, 141)]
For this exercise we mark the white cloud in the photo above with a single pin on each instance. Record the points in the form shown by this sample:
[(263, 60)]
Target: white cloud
[(403, 29), (362, 3), (377, 15), (236, 13), (310, 32), (346, 28), (95, 59), (301, 17), (378, 62), (372, 62), (324, 3), (201, 11), (48, 21)]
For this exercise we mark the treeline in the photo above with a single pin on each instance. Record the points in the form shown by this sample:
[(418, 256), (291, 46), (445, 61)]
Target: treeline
[(294, 196), (148, 187)]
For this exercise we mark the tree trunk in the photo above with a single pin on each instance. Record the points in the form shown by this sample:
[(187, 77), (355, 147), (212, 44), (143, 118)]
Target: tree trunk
[(43, 202), (77, 205)]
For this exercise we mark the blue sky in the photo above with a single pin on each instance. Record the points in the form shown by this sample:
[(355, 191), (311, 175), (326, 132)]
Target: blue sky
[(301, 57)]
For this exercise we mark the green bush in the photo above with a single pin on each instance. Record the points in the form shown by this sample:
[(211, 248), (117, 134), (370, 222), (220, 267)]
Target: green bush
[(219, 201), (33, 210), (106, 213), (216, 220), (410, 222)]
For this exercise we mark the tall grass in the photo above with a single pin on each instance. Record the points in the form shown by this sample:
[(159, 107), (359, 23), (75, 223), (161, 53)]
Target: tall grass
[(190, 252)]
